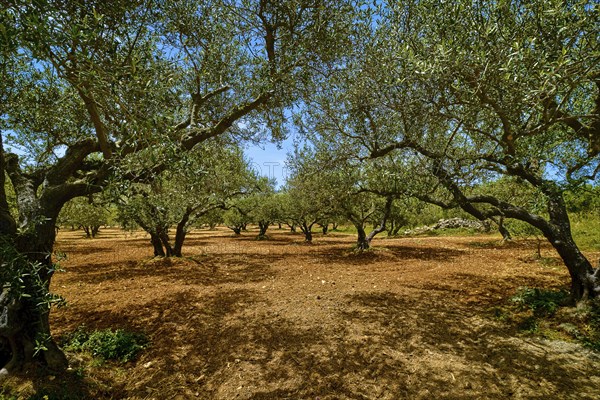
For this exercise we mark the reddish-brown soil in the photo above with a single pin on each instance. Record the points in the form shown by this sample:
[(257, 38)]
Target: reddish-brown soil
[(280, 319)]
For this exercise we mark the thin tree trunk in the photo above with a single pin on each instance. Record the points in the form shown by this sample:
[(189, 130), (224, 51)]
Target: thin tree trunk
[(236, 229), (164, 238), (181, 232), (307, 230), (506, 236), (381, 227), (362, 243), (262, 226), (157, 245)]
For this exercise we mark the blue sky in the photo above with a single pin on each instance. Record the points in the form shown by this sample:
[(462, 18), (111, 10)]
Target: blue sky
[(268, 160)]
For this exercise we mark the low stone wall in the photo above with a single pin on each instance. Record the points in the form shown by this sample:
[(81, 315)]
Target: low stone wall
[(451, 223)]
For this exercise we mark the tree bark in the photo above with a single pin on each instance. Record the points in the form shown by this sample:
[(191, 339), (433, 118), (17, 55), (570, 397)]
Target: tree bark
[(386, 214), (181, 232), (163, 235), (25, 319), (307, 230), (585, 280), (157, 245), (237, 229), (263, 226), (506, 236), (362, 243), (31, 325)]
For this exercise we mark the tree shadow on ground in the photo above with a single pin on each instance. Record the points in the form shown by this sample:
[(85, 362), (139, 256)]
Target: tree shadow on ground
[(510, 245), (224, 345), (462, 355), (65, 385), (131, 245), (200, 270), (220, 342), (484, 288), (388, 253), (227, 345), (424, 253)]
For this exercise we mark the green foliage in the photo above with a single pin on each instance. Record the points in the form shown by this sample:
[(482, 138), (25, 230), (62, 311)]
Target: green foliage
[(87, 213), (592, 327), (193, 190), (19, 278), (540, 302), (546, 313), (586, 230), (11, 198), (584, 200), (211, 219), (8, 397), (119, 345)]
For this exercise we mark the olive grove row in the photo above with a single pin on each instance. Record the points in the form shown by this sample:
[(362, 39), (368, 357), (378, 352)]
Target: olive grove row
[(492, 108)]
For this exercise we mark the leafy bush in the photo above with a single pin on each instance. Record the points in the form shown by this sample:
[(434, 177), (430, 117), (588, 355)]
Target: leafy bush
[(540, 302), (592, 331), (546, 313), (107, 344)]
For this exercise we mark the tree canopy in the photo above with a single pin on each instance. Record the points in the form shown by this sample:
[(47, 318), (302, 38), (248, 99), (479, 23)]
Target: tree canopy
[(489, 107)]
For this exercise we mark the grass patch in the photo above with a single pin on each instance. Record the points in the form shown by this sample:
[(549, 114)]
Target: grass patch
[(591, 328), (586, 231), (118, 345), (541, 302), (455, 232), (546, 313)]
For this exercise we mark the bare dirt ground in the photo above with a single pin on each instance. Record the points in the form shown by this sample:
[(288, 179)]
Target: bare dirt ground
[(280, 319)]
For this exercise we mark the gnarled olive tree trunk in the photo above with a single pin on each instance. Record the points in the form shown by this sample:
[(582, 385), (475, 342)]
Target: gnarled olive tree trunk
[(263, 226), (556, 228), (585, 279), (306, 228), (25, 310), (27, 248), (363, 241)]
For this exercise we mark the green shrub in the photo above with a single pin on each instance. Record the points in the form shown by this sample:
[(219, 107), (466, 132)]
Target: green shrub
[(592, 327), (107, 344), (540, 302)]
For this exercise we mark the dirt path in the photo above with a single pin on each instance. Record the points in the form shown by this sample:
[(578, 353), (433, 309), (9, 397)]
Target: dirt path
[(280, 319)]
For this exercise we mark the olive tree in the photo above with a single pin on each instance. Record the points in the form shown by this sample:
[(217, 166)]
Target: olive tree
[(203, 180), (331, 183), (94, 88), (264, 206), (308, 198), (87, 213), (478, 91)]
